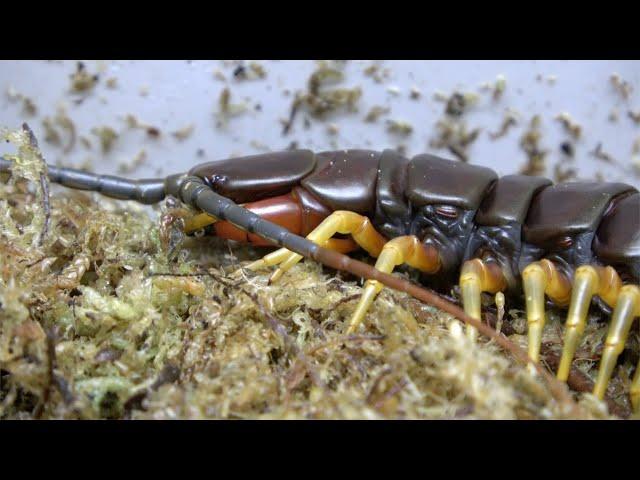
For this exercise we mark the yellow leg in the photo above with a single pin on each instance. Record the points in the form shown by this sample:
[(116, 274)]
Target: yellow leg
[(341, 221), (540, 279), (401, 250), (342, 245), (476, 277), (626, 309), (198, 221), (588, 281)]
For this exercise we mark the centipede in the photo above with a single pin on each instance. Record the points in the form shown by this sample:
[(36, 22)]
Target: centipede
[(572, 246)]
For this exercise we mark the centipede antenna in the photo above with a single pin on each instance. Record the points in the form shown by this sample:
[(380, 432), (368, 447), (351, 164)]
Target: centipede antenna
[(145, 191)]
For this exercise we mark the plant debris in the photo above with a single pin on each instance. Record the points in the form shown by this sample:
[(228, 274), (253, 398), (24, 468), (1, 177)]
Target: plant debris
[(253, 71), (563, 173), (621, 86), (573, 128), (86, 143), (400, 127), (60, 122), (600, 154), (133, 123), (497, 88), (107, 137), (375, 113), (393, 90), (259, 146), (183, 133), (530, 143), (28, 105), (452, 131), (457, 103), (138, 160), (550, 79), (98, 322), (319, 100), (567, 148), (333, 129), (454, 136), (377, 72), (226, 109), (510, 120), (81, 80)]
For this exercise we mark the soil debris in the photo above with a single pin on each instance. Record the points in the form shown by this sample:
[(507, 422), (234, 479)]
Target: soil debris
[(319, 100), (530, 143), (622, 87), (81, 80)]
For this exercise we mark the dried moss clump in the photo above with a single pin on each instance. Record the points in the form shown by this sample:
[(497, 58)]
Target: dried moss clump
[(536, 156), (98, 321), (81, 80), (320, 99), (452, 131)]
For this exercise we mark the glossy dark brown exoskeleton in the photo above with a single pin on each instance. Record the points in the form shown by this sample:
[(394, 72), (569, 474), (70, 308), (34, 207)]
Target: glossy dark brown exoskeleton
[(464, 210)]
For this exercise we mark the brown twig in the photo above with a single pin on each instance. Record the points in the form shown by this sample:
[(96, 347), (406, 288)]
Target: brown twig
[(347, 299)]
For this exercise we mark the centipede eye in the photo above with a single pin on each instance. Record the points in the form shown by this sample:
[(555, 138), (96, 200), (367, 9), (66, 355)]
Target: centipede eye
[(447, 211), (565, 242)]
